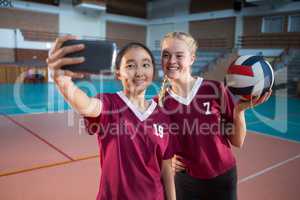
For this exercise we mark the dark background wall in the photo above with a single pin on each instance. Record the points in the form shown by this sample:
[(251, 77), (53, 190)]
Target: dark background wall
[(29, 20), (216, 33), (134, 8), (198, 6), (124, 33)]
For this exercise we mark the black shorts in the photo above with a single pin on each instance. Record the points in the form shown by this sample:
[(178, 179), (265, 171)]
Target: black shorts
[(222, 187)]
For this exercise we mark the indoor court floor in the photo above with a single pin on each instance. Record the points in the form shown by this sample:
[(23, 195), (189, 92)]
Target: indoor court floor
[(48, 155)]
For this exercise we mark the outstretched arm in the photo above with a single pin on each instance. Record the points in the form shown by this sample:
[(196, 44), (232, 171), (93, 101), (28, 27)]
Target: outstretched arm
[(78, 99)]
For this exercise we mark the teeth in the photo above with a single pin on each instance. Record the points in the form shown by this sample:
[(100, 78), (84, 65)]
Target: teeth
[(173, 68)]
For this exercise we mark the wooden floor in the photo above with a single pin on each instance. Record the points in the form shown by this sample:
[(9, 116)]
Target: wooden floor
[(50, 157)]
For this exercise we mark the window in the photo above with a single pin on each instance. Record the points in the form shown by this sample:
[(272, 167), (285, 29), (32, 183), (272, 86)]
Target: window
[(273, 24), (6, 4), (294, 23)]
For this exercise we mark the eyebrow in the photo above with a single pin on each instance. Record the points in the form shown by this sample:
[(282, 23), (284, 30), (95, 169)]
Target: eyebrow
[(147, 59), (132, 60), (177, 52)]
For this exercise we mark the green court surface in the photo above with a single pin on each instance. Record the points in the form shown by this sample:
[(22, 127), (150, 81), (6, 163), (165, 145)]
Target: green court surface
[(278, 117)]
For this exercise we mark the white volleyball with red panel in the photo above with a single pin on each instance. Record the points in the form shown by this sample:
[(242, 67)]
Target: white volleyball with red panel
[(249, 76)]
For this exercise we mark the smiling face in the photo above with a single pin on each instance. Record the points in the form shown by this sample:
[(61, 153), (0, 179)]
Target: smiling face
[(177, 58), (136, 70)]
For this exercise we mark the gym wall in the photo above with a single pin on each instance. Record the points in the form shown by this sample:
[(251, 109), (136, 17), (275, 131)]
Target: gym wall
[(252, 30), (28, 20), (123, 33), (133, 8), (198, 6), (216, 33)]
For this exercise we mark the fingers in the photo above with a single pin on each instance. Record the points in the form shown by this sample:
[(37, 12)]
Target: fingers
[(254, 101), (232, 57), (59, 42), (178, 164), (61, 76), (57, 54), (73, 74), (268, 94), (264, 98), (57, 64), (177, 168), (61, 52), (244, 105)]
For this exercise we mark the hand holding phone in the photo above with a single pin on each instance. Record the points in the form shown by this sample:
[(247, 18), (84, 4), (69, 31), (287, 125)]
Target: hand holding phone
[(99, 55)]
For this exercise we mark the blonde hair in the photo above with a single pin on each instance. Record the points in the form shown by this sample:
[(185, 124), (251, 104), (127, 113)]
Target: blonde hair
[(163, 89), (186, 37), (192, 45)]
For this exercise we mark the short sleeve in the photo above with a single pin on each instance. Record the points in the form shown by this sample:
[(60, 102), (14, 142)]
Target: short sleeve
[(155, 98), (94, 125), (172, 148)]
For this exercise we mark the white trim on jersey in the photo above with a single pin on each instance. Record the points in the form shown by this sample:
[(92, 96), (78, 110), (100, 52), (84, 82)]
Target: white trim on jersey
[(140, 115), (187, 100)]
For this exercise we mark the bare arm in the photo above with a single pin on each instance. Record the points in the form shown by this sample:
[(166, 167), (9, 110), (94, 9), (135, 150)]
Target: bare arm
[(238, 135), (177, 164), (78, 99), (168, 180), (239, 130)]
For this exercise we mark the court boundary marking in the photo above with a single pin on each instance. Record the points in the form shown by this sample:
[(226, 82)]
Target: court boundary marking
[(46, 166), (279, 119), (272, 136), (39, 137), (293, 123), (3, 110), (268, 169), (33, 105)]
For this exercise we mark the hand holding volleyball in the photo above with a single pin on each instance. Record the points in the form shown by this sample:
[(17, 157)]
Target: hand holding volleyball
[(250, 77)]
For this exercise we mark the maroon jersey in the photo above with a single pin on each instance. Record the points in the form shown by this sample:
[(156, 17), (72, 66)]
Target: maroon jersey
[(132, 147), (203, 118)]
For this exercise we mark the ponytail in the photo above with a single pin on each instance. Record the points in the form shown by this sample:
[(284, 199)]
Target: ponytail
[(162, 93)]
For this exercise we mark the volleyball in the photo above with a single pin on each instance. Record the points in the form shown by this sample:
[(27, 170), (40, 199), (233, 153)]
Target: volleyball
[(249, 77)]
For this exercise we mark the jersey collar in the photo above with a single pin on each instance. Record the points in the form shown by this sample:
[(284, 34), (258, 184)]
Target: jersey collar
[(187, 100), (142, 116)]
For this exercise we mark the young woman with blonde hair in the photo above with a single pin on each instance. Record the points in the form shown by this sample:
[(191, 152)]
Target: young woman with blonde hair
[(208, 120)]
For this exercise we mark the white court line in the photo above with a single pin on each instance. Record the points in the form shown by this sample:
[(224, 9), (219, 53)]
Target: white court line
[(31, 105), (293, 123), (272, 136), (258, 121), (254, 122), (268, 169)]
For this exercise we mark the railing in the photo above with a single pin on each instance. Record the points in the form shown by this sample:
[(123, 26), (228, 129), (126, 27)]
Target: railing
[(40, 36), (44, 36), (213, 43), (269, 41), (217, 69), (280, 61), (51, 36)]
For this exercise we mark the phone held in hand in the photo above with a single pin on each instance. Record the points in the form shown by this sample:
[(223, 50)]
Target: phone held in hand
[(99, 56)]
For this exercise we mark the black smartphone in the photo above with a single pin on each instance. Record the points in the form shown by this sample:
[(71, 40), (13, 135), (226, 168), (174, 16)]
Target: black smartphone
[(99, 56)]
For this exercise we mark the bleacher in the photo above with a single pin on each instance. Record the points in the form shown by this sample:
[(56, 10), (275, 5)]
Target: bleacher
[(293, 76)]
